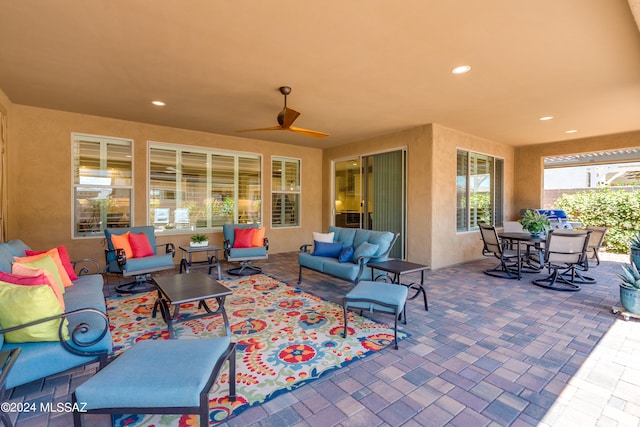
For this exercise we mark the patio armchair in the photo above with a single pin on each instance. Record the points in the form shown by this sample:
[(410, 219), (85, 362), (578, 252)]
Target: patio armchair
[(141, 258), (565, 257), (244, 243), (495, 247)]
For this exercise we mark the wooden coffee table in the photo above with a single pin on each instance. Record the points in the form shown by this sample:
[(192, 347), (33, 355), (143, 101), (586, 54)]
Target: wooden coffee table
[(177, 289)]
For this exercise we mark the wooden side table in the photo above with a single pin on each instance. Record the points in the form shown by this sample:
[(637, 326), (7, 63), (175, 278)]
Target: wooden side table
[(395, 268), (187, 262)]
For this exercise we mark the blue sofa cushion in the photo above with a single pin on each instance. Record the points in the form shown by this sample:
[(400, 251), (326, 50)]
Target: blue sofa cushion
[(347, 271), (365, 249), (331, 250), (5, 259), (86, 292), (16, 247), (346, 254), (305, 259), (343, 235), (42, 359)]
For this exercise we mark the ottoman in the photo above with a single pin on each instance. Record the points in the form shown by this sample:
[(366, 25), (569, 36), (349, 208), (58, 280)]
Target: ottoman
[(159, 377), (385, 297)]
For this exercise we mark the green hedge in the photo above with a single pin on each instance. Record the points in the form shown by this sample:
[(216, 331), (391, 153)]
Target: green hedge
[(616, 209)]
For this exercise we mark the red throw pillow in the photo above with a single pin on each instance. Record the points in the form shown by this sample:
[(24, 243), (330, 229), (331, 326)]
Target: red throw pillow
[(64, 258), (140, 245), (243, 237)]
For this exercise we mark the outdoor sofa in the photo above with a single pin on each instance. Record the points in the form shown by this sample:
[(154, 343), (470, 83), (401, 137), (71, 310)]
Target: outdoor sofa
[(84, 327), (367, 246)]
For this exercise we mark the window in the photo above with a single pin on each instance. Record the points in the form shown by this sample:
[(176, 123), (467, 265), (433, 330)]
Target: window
[(196, 189), (102, 184), (285, 192), (479, 184)]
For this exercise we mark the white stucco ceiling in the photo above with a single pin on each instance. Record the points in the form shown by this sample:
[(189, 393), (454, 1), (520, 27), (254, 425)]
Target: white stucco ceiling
[(358, 68)]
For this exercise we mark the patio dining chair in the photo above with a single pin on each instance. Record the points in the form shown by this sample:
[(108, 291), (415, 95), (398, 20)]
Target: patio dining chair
[(494, 246), (564, 257), (596, 239)]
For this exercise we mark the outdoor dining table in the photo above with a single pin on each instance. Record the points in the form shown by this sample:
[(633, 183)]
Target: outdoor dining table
[(523, 237)]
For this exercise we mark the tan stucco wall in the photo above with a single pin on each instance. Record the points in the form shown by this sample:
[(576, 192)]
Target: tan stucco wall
[(451, 247), (529, 163), (417, 141), (431, 189), (40, 180)]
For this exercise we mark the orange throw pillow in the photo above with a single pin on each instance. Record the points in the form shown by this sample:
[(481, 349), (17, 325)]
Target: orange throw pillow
[(121, 241), (243, 237), (39, 261), (258, 238), (64, 257)]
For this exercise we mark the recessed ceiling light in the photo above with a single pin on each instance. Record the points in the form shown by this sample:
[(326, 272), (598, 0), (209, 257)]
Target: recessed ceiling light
[(158, 103), (571, 131), (461, 69), (545, 118)]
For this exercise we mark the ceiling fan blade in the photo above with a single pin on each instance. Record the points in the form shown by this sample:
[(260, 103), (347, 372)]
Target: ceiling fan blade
[(269, 128), (287, 116), (308, 132)]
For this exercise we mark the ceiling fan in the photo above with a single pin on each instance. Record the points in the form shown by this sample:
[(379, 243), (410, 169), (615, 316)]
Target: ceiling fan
[(286, 117)]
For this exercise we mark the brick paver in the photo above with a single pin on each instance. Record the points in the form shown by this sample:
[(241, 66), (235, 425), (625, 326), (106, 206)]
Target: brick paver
[(488, 352)]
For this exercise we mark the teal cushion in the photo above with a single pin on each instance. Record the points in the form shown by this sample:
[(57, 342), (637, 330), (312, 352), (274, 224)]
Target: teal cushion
[(365, 295), (343, 235), (347, 271), (246, 253), (365, 249), (16, 247), (150, 263), (331, 250), (135, 380), (381, 238), (39, 360), (305, 259), (6, 259)]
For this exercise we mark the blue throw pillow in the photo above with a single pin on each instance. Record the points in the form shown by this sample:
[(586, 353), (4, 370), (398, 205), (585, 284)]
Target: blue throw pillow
[(365, 249), (346, 254), (331, 250)]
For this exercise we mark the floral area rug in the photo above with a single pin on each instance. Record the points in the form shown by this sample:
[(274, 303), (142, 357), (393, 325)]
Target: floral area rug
[(285, 338)]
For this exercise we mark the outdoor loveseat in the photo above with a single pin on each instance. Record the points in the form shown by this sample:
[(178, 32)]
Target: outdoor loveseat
[(367, 246), (79, 334)]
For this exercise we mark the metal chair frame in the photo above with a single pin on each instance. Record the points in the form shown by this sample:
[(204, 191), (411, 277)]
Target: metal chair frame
[(565, 256)]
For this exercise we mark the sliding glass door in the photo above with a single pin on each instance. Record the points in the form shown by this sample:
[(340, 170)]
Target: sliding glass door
[(369, 192)]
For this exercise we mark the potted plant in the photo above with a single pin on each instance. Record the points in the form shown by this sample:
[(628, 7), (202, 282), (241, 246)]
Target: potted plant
[(534, 222), (198, 240), (630, 288)]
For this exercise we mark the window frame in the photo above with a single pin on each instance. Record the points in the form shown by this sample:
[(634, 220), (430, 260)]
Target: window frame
[(209, 153), (296, 191), (496, 190), (102, 141)]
